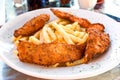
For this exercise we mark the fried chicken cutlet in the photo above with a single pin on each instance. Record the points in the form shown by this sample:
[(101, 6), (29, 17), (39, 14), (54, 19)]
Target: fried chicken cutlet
[(64, 15), (49, 53), (32, 26), (97, 43)]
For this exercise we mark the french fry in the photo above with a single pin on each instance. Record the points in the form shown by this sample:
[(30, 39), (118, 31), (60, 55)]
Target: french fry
[(69, 26), (41, 37), (51, 33), (58, 20), (37, 34), (81, 35), (14, 39), (76, 39), (24, 38), (84, 39), (64, 22), (64, 34), (74, 25), (80, 61), (68, 30), (45, 35), (59, 37), (34, 40)]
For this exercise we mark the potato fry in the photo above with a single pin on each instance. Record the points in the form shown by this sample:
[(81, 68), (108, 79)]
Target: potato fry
[(45, 35), (64, 22), (57, 20), (34, 40), (68, 30), (64, 34), (69, 26), (37, 34), (74, 25), (59, 37), (41, 37), (75, 39), (80, 61), (81, 35), (84, 39), (14, 39), (51, 33)]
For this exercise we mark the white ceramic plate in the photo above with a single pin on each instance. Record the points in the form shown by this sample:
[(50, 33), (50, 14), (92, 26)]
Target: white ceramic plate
[(98, 66)]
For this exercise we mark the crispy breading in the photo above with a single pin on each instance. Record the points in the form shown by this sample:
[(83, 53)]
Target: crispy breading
[(97, 43), (64, 15), (49, 53), (98, 26), (31, 26)]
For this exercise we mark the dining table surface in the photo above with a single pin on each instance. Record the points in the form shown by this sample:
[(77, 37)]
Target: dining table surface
[(110, 8)]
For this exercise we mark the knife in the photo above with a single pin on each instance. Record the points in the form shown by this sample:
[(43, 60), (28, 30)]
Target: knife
[(113, 17)]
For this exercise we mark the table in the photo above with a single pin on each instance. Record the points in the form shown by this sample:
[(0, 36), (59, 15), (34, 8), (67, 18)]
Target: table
[(7, 73)]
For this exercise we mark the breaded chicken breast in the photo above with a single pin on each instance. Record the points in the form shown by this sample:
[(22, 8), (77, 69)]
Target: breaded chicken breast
[(32, 26), (98, 42), (49, 53), (64, 15), (98, 26)]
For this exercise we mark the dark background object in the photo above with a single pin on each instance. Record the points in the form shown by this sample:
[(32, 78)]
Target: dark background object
[(36, 4), (113, 17), (64, 3), (99, 4)]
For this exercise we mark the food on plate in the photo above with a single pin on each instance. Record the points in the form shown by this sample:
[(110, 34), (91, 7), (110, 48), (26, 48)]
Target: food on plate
[(97, 42), (59, 41), (98, 26), (66, 41), (32, 26), (64, 15), (49, 53)]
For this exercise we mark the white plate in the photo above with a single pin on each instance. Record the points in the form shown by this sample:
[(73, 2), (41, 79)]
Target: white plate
[(102, 64)]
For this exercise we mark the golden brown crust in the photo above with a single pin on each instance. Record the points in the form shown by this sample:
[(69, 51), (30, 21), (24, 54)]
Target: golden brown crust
[(97, 43), (49, 53), (32, 26), (64, 15), (98, 26)]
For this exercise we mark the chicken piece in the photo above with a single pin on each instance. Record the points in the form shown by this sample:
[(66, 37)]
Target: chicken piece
[(32, 26), (64, 15), (49, 53), (97, 43), (97, 26)]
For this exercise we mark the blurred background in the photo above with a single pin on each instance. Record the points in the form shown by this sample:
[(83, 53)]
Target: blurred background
[(11, 8)]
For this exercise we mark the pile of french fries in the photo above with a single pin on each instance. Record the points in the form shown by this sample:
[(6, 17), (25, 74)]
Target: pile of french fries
[(61, 31)]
